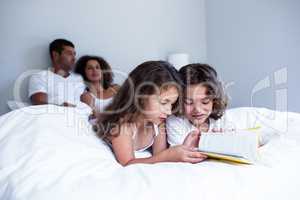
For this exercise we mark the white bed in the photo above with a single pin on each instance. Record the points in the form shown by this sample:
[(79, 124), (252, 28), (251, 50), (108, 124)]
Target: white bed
[(50, 152)]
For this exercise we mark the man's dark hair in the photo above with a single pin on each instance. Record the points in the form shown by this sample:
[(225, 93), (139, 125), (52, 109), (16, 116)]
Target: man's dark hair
[(57, 45)]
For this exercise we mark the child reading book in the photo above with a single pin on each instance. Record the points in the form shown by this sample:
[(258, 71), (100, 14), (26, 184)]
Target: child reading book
[(204, 103), (134, 121), (199, 123)]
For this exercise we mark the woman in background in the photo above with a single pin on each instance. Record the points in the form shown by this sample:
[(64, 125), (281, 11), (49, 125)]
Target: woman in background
[(98, 76)]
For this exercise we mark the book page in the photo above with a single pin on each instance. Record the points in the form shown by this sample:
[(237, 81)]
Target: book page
[(240, 143)]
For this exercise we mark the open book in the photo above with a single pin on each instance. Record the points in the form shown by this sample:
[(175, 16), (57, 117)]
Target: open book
[(236, 146)]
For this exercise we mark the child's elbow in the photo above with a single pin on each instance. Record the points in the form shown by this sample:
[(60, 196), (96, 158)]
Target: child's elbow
[(125, 163)]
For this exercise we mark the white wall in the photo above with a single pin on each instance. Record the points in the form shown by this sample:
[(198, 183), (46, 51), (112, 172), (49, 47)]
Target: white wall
[(126, 33), (248, 41)]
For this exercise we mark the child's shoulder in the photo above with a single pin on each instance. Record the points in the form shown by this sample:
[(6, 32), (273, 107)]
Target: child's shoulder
[(180, 120), (175, 118), (126, 128)]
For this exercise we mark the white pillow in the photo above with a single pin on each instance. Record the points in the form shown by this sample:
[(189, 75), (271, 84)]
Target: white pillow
[(273, 123)]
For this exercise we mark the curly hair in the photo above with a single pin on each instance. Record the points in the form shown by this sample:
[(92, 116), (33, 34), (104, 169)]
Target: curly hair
[(206, 76), (107, 73)]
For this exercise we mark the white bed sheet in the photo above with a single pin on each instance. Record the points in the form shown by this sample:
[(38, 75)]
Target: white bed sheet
[(50, 152)]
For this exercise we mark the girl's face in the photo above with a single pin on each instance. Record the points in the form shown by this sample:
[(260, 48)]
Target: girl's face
[(197, 104), (159, 106), (93, 71)]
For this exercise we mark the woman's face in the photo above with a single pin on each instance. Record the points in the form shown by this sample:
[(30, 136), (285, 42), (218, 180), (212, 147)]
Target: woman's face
[(93, 71), (197, 104), (159, 106)]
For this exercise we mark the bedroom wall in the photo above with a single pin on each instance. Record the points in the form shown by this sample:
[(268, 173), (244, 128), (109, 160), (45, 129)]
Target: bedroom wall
[(126, 33), (255, 46)]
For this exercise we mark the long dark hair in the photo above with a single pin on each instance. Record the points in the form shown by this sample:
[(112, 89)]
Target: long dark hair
[(146, 79), (206, 76), (107, 74)]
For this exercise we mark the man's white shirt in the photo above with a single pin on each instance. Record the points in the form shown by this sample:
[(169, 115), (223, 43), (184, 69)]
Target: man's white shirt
[(59, 89)]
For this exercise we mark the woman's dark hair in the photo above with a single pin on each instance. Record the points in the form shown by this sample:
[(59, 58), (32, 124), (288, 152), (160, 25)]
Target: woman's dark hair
[(107, 74), (148, 78), (206, 76)]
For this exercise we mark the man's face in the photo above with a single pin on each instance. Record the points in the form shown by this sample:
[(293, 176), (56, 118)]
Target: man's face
[(66, 59)]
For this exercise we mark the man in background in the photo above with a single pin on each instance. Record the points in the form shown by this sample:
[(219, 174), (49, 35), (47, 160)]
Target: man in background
[(58, 85)]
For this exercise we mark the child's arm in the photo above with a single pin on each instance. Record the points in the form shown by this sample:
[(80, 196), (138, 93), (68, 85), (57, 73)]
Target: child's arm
[(123, 146), (160, 141), (178, 153), (124, 151), (192, 139)]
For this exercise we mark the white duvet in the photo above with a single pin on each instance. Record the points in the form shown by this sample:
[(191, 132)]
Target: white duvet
[(49, 152)]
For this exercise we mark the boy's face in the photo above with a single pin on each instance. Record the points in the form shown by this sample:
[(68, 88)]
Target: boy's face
[(197, 104)]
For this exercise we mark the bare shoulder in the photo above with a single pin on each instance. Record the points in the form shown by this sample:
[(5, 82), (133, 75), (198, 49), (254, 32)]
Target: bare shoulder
[(127, 129)]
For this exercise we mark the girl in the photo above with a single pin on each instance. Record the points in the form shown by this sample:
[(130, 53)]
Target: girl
[(99, 77), (204, 103), (134, 121)]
